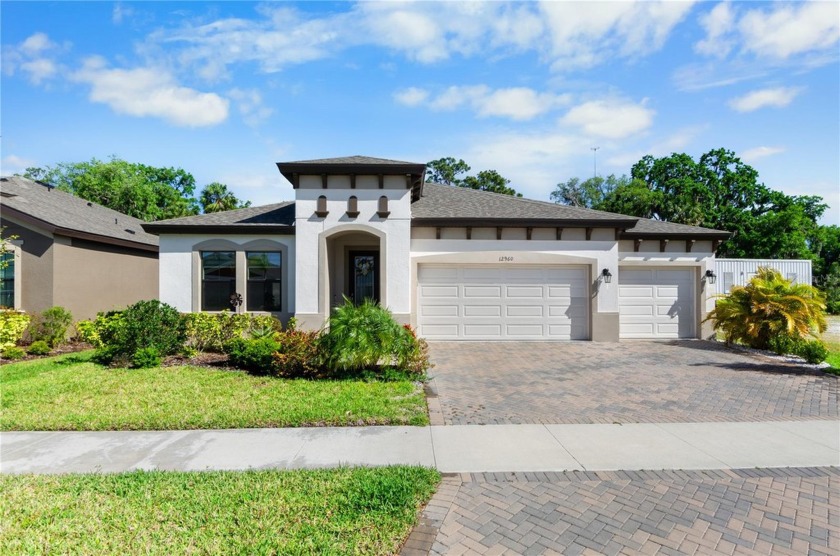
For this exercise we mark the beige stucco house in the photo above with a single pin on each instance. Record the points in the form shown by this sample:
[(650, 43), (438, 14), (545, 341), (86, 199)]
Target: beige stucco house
[(457, 264), (72, 253)]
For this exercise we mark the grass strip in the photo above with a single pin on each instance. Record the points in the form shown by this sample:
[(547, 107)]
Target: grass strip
[(72, 393), (335, 511)]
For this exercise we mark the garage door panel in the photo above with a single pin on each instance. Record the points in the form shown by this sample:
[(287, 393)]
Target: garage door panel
[(486, 330), (656, 303), (450, 292), (531, 292), (524, 310), (433, 331), (505, 303), (431, 275), (439, 310), (524, 330), (483, 291), (482, 310)]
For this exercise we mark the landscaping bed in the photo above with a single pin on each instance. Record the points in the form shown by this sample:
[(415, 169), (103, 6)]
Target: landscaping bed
[(71, 392), (338, 511)]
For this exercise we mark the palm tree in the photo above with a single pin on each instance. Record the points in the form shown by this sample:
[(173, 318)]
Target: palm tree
[(217, 198), (769, 306)]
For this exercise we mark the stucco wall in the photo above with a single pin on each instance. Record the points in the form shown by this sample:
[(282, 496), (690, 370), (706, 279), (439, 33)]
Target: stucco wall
[(36, 265), (313, 284), (91, 277), (180, 275)]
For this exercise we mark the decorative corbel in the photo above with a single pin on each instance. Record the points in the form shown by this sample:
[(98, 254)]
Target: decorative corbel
[(663, 243), (324, 181), (636, 244), (529, 232)]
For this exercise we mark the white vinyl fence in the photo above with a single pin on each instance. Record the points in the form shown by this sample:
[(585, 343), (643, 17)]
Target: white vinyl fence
[(737, 272)]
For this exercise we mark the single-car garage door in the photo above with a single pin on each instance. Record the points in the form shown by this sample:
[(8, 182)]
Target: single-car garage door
[(656, 302), (503, 303)]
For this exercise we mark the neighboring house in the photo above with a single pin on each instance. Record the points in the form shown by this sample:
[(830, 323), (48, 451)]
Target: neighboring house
[(737, 272), (72, 253), (457, 264)]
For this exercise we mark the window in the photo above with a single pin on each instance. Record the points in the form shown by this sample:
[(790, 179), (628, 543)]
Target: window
[(7, 280), (352, 206), (264, 281), (321, 207), (218, 279), (383, 211)]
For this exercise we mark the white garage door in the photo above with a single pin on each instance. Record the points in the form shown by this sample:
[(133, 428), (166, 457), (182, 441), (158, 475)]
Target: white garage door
[(502, 303), (656, 302)]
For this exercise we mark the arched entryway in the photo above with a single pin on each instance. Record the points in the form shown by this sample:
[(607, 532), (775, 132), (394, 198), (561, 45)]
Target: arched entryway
[(352, 266)]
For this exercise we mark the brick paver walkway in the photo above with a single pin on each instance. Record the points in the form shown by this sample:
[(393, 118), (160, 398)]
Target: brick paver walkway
[(628, 382), (753, 511)]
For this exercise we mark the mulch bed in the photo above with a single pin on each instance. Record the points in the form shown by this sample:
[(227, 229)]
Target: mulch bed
[(70, 347), (201, 359)]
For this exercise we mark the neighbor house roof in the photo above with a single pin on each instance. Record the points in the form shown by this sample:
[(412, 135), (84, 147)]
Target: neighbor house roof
[(278, 218), (64, 214)]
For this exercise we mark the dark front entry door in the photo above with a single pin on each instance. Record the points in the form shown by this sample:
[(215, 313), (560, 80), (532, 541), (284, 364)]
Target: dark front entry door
[(364, 275)]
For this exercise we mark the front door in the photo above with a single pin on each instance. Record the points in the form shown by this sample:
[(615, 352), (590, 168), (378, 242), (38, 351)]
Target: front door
[(364, 276)]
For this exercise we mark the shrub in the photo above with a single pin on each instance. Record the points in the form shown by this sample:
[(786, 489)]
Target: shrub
[(39, 347), (13, 352), (252, 355), (212, 331), (366, 336), (103, 328), (146, 324), (298, 355), (767, 307), (12, 326), (145, 357), (813, 351), (51, 326)]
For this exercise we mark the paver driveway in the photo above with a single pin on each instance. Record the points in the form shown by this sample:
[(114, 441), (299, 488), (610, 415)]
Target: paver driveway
[(480, 383), (745, 511)]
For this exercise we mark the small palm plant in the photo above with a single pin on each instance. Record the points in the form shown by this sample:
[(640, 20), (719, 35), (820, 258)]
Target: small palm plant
[(769, 307), (363, 336)]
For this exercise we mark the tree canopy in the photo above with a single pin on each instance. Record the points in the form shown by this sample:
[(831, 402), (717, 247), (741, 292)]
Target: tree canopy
[(448, 171), (216, 197), (145, 192), (718, 191)]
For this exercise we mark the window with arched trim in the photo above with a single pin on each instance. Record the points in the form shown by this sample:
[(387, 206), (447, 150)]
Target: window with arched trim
[(321, 207), (353, 206), (382, 210)]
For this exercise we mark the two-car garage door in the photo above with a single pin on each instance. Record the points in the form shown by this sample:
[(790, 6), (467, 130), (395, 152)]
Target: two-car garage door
[(503, 303)]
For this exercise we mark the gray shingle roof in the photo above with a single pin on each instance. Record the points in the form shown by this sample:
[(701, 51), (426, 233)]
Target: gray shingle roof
[(459, 203), (441, 204), (276, 218), (68, 213), (355, 159)]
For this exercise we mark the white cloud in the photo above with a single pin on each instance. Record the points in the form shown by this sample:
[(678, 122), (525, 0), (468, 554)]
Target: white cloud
[(776, 97), (718, 23), (585, 34), (251, 107), (611, 119), (411, 96), (120, 12), (34, 57), (516, 103), (13, 164), (150, 92), (790, 29), (675, 142), (751, 155)]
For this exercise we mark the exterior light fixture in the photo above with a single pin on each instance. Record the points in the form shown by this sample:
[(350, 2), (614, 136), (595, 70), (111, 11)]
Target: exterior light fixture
[(606, 275), (710, 276)]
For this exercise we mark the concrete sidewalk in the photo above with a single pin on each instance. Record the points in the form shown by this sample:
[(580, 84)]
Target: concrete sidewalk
[(465, 449)]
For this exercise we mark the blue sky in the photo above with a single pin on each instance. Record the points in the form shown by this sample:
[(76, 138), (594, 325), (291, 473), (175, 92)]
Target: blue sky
[(225, 90)]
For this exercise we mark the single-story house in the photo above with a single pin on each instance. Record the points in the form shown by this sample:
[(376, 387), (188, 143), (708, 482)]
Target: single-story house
[(71, 252), (455, 263)]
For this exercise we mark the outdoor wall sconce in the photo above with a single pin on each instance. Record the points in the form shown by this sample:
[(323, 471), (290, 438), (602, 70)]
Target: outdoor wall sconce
[(606, 275), (710, 276)]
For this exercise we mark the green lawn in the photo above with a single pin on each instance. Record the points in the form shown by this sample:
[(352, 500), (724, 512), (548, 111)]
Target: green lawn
[(337, 511), (833, 357), (72, 393)]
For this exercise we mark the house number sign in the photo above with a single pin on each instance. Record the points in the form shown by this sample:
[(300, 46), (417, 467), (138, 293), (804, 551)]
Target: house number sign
[(505, 259)]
